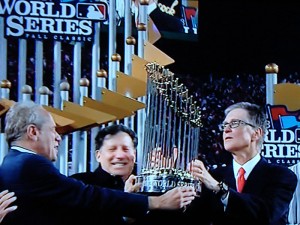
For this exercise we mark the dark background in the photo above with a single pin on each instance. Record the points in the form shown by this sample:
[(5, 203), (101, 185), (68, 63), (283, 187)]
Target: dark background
[(238, 37)]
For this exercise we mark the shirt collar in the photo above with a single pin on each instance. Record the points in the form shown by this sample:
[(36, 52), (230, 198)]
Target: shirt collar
[(248, 166), (21, 149)]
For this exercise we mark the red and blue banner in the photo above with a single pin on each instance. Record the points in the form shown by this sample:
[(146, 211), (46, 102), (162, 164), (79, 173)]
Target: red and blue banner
[(282, 141)]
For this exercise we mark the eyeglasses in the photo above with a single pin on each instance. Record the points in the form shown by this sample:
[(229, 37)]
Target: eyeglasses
[(234, 124)]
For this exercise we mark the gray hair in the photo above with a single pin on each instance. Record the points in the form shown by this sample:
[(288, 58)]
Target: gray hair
[(19, 116), (257, 116)]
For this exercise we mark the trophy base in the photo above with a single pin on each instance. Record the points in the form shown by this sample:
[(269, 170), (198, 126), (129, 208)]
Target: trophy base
[(158, 181)]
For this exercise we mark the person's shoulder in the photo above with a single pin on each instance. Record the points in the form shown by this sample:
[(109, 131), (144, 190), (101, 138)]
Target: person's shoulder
[(279, 169), (28, 158), (81, 175)]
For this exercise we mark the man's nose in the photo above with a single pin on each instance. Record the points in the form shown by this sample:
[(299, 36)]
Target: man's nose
[(120, 153), (58, 138), (227, 128)]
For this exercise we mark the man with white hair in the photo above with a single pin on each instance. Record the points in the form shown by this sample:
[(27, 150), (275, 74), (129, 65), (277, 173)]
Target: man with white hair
[(45, 196)]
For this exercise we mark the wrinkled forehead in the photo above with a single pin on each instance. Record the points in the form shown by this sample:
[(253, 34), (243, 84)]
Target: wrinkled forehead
[(47, 118), (238, 113), (119, 139), (116, 135), (109, 137)]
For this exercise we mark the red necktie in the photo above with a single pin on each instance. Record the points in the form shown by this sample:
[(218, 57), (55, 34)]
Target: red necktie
[(241, 179)]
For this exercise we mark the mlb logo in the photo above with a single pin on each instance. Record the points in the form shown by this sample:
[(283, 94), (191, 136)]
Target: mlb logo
[(92, 11)]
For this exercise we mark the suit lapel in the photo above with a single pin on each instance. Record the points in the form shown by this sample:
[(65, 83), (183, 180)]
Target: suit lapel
[(256, 178)]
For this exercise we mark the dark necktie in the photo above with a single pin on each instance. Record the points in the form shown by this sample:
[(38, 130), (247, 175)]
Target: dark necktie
[(241, 179)]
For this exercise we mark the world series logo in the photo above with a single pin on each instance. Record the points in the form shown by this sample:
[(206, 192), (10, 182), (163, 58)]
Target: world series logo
[(49, 20), (91, 11), (281, 143)]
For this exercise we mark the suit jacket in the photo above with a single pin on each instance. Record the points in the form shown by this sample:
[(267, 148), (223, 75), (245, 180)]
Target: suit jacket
[(101, 178), (264, 200), (104, 179), (46, 197)]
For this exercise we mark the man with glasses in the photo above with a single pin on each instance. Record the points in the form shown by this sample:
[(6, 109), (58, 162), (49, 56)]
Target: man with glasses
[(250, 190)]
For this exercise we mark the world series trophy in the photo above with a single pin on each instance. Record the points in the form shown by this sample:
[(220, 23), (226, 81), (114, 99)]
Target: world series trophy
[(172, 128)]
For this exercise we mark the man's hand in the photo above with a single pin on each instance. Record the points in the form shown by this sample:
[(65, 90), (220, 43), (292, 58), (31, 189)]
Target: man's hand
[(131, 185), (199, 171), (175, 198)]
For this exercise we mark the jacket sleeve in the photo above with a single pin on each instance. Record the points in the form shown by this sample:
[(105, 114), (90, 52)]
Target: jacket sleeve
[(48, 184)]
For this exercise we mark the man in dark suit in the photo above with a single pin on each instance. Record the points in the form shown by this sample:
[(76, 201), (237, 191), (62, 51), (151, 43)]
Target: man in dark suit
[(116, 153), (261, 194), (45, 196)]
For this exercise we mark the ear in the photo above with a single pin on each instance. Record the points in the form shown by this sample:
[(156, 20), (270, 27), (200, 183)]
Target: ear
[(134, 160), (258, 133), (97, 155), (32, 132)]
